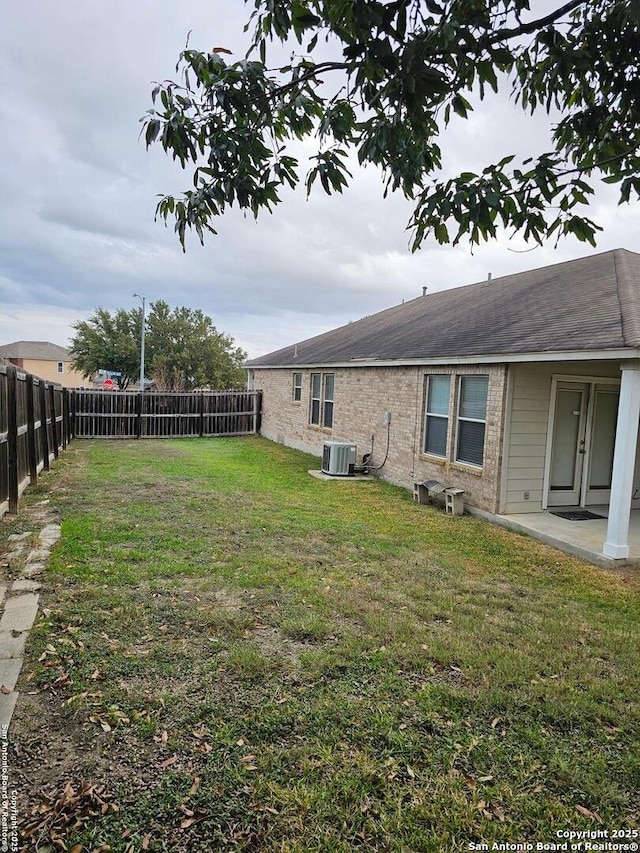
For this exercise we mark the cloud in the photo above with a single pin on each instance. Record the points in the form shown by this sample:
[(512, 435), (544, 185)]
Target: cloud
[(79, 190)]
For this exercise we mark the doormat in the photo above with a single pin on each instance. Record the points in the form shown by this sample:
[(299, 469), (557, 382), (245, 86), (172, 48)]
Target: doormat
[(577, 515)]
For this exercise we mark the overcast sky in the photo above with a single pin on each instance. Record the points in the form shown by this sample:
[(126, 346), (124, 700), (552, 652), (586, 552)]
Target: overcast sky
[(78, 193)]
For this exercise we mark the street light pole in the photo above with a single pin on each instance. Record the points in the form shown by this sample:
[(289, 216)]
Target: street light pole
[(143, 300)]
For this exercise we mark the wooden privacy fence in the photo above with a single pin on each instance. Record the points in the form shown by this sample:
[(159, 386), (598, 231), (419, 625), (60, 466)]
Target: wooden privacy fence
[(153, 414), (34, 428)]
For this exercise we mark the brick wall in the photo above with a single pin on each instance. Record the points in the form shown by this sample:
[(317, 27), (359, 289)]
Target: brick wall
[(362, 396)]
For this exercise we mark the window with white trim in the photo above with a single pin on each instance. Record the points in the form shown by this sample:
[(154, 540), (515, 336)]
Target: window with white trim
[(316, 393), (472, 419), (436, 418), (327, 407), (60, 367), (296, 394), (321, 405)]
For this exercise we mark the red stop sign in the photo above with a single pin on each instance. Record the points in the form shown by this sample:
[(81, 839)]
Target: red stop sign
[(108, 385)]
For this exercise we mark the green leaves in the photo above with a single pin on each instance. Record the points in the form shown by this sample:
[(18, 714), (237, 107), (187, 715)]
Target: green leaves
[(331, 170), (108, 341), (401, 73), (184, 350), (461, 106)]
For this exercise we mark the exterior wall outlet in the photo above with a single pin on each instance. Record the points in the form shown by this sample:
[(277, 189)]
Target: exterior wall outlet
[(526, 496), (386, 418)]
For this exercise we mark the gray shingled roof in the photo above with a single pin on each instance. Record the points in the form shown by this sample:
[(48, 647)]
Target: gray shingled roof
[(40, 350), (592, 303)]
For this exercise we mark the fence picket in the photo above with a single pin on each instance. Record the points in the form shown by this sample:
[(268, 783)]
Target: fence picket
[(158, 414), (29, 437), (38, 419)]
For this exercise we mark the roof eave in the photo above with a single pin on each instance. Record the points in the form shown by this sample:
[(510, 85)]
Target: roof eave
[(488, 358)]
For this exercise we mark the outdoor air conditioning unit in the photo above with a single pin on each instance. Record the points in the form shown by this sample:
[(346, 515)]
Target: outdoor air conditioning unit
[(338, 458)]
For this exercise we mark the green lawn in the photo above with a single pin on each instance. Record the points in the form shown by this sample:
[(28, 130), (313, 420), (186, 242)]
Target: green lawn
[(235, 655)]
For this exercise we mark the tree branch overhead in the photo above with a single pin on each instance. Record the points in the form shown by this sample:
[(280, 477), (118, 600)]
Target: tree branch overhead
[(408, 68)]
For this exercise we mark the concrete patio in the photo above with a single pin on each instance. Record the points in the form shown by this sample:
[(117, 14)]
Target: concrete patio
[(582, 538)]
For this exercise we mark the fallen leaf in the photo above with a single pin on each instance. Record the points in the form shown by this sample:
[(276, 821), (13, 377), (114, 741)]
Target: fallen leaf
[(197, 816), (194, 787), (201, 732), (495, 722), (145, 842), (4, 689), (609, 728), (588, 813), (169, 761)]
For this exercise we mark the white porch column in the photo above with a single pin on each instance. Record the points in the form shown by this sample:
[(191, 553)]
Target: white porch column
[(624, 460)]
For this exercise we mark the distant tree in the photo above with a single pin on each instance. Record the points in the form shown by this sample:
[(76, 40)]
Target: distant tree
[(184, 350), (384, 78), (108, 341)]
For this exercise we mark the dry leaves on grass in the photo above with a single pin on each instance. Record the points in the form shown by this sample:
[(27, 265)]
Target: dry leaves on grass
[(70, 808), (585, 812)]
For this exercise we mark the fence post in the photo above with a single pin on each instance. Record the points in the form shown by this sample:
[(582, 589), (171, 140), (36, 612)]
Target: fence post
[(12, 437), (257, 409), (138, 426), (44, 429), (54, 422), (31, 432), (66, 417)]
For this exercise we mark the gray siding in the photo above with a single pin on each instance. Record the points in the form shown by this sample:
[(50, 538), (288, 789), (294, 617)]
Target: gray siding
[(529, 418)]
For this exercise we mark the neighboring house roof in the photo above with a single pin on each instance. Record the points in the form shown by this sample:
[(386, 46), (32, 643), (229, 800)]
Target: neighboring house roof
[(592, 303), (36, 350)]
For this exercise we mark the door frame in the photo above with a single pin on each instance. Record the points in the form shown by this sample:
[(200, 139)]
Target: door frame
[(572, 378)]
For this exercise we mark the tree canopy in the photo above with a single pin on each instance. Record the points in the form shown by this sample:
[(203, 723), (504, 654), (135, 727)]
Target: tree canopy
[(108, 341), (384, 79), (183, 349)]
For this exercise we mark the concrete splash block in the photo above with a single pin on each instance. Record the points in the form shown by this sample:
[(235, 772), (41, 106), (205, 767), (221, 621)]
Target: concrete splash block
[(7, 707), (19, 612), (9, 673), (12, 645), (49, 535)]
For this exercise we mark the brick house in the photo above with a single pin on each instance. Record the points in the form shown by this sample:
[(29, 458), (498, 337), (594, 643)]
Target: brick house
[(44, 359), (524, 391)]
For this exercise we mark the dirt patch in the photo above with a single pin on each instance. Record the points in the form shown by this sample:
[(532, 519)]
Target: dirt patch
[(274, 645)]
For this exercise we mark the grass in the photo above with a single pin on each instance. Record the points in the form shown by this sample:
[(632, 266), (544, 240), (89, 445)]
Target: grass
[(248, 658)]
